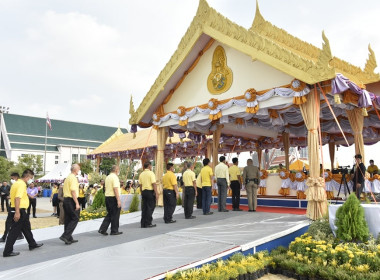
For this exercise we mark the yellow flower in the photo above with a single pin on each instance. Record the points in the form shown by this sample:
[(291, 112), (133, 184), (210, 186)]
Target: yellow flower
[(307, 249)]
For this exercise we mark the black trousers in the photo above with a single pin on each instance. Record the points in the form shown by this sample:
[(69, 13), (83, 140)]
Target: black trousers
[(23, 225), (148, 203), (113, 215), (199, 198), (4, 198), (82, 202), (170, 202), (235, 187), (33, 204), (8, 223), (189, 201), (71, 218)]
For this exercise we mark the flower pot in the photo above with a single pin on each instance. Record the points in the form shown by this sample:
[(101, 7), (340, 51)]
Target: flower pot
[(241, 277), (303, 277)]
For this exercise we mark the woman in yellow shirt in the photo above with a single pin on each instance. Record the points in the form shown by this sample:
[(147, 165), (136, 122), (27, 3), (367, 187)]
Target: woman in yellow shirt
[(81, 197)]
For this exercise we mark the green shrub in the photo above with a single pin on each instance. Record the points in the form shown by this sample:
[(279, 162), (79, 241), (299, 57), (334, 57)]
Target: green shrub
[(134, 203), (99, 200), (179, 200), (320, 230), (350, 221)]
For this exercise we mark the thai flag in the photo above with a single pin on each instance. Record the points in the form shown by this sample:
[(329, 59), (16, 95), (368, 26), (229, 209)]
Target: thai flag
[(48, 122)]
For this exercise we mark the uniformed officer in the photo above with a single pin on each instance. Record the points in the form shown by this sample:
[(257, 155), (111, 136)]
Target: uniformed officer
[(20, 219), (251, 177), (113, 203), (169, 182), (149, 195), (71, 205), (190, 190)]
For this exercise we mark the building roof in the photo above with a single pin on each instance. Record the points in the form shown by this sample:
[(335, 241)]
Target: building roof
[(263, 42), (28, 133)]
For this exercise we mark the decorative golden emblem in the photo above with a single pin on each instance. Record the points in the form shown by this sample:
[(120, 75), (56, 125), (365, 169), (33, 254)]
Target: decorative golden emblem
[(220, 78)]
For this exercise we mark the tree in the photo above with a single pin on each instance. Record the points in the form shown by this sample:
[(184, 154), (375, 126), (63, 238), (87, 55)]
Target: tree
[(106, 165), (6, 166), (126, 169), (350, 221), (86, 166), (33, 162)]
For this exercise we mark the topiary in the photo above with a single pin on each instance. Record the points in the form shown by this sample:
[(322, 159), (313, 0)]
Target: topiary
[(134, 203), (350, 221), (99, 200)]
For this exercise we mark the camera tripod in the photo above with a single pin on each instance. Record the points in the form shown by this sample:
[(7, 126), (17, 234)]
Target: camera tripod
[(343, 182)]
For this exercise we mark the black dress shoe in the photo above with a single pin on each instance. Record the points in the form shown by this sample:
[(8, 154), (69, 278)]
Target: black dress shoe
[(225, 210), (73, 241), (38, 245), (102, 232), (34, 216), (209, 213), (12, 254), (170, 222), (151, 225), (251, 210), (116, 233), (191, 217), (67, 242), (238, 209)]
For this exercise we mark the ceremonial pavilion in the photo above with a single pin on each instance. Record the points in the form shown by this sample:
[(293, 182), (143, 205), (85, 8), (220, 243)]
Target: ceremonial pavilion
[(231, 89)]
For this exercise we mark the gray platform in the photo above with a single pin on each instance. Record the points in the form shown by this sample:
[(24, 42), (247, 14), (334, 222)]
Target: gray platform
[(142, 253)]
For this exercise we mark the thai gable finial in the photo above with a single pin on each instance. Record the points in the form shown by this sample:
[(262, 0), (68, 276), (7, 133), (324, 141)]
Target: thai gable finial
[(131, 107), (371, 63), (259, 19)]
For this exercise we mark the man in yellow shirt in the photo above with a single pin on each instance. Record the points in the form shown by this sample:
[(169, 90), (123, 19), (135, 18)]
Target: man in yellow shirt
[(235, 177), (206, 178), (372, 168), (190, 187), (223, 180), (71, 205), (169, 182), (149, 195), (19, 202), (113, 203)]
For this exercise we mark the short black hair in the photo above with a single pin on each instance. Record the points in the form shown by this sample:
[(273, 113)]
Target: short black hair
[(169, 165), (235, 160), (15, 174), (27, 172), (147, 164), (371, 160), (359, 156), (222, 158), (206, 161)]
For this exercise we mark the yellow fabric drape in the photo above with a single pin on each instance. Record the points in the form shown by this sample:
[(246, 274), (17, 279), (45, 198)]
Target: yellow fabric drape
[(356, 119), (285, 140), (161, 141), (316, 193), (332, 153)]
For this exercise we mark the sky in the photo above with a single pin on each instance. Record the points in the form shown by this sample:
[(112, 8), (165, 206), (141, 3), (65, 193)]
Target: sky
[(81, 60)]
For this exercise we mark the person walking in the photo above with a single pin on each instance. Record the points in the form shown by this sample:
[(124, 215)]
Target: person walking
[(169, 182), (54, 199), (32, 194), (61, 210), (206, 181), (8, 221), (19, 218), (4, 192), (149, 195), (113, 203), (81, 197), (235, 177), (71, 205), (190, 190), (251, 177), (223, 181)]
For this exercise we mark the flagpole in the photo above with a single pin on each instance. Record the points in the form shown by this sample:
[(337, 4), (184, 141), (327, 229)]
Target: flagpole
[(46, 125)]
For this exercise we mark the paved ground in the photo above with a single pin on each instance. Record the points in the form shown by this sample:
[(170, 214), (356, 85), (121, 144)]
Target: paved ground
[(141, 253)]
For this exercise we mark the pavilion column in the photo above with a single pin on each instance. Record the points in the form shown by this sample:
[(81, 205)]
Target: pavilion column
[(332, 152), (215, 144), (98, 164), (316, 193), (285, 140), (209, 150), (356, 119), (161, 142), (259, 156)]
